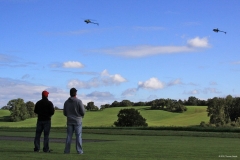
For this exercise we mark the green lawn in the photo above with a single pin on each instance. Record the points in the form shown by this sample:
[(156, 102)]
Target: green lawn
[(127, 146), (127, 143), (193, 116)]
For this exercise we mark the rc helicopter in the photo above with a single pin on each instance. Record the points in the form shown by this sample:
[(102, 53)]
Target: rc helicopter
[(217, 30), (89, 21)]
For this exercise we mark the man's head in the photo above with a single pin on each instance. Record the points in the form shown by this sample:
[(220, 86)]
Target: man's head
[(73, 92), (45, 94)]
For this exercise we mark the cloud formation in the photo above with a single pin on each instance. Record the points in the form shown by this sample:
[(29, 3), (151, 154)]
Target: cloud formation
[(198, 42), (155, 84), (204, 91), (72, 64), (105, 79), (175, 82), (100, 95), (129, 92), (14, 89), (146, 50), (152, 83), (149, 50)]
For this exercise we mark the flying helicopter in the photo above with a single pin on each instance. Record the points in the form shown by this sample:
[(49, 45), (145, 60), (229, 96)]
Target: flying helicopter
[(217, 30), (90, 21)]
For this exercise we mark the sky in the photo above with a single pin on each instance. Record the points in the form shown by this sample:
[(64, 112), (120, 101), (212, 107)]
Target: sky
[(140, 51)]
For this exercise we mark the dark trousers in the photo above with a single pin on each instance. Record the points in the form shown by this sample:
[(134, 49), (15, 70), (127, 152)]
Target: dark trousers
[(42, 126)]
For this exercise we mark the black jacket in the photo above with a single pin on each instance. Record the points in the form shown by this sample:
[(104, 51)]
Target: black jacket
[(44, 109)]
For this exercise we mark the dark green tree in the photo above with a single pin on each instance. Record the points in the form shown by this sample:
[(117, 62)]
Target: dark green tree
[(90, 106), (130, 118), (18, 110), (154, 105), (126, 103), (192, 101), (216, 111), (104, 106), (5, 107), (234, 109), (179, 107), (30, 108), (139, 104), (115, 104)]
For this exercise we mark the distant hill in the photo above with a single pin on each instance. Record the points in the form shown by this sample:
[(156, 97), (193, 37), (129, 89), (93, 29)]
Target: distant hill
[(193, 116)]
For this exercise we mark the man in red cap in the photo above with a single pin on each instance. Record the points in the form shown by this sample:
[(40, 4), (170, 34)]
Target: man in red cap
[(44, 109)]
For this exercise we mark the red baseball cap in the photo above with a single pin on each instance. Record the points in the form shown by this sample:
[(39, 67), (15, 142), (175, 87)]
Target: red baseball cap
[(45, 93)]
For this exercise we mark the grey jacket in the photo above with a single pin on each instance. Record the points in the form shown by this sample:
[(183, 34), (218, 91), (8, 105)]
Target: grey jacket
[(73, 110)]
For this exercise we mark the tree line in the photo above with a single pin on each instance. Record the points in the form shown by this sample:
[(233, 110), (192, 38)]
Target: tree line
[(221, 111), (171, 105), (20, 110)]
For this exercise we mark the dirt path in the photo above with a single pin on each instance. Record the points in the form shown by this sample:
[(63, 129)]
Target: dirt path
[(55, 140)]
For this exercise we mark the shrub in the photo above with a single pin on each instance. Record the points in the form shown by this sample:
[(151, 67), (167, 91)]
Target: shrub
[(130, 118)]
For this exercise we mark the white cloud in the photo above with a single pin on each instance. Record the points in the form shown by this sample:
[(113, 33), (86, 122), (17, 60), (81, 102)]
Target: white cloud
[(192, 92), (13, 89), (105, 79), (116, 78), (204, 91), (73, 72), (129, 92), (94, 82), (211, 90), (149, 50), (175, 82), (100, 95), (72, 64), (198, 42), (152, 83), (146, 50)]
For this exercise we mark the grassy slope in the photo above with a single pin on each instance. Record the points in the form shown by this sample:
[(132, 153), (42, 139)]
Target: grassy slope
[(193, 116)]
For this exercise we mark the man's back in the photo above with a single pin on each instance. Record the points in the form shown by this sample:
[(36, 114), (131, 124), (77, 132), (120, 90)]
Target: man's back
[(73, 110), (44, 108)]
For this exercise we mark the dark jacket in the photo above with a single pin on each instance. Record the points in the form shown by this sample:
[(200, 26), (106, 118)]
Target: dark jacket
[(44, 109), (74, 110)]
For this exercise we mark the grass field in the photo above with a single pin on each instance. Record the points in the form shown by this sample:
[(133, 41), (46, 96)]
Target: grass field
[(193, 116), (181, 142), (143, 145)]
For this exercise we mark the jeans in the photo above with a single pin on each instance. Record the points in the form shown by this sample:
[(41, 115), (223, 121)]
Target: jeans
[(42, 126), (78, 134)]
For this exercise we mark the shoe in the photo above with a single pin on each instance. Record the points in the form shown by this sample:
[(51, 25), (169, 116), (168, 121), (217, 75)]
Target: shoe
[(50, 150), (36, 150)]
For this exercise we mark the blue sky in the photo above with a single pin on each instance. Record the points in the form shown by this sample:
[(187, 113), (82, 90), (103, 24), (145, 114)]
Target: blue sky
[(141, 50)]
